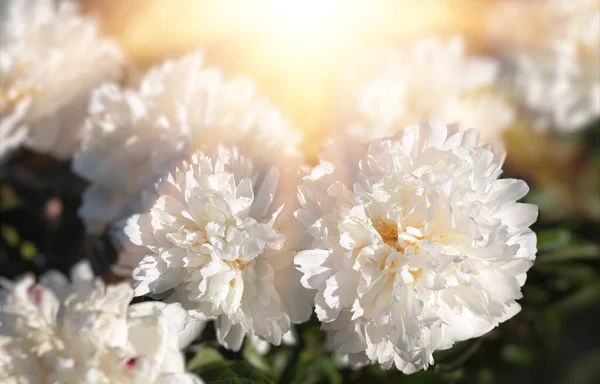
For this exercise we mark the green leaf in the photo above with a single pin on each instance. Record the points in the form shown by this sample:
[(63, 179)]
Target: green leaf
[(549, 323), (280, 360), (432, 377), (535, 294), (450, 354), (204, 357), (28, 250), (319, 371), (486, 376), (9, 199), (547, 200), (584, 370), (375, 375), (580, 299), (255, 359), (517, 354), (231, 372), (576, 273), (10, 236), (552, 239), (587, 251)]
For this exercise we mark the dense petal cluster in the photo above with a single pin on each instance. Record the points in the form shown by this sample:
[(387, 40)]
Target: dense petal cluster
[(560, 81), (220, 240), (132, 135), (433, 79), (416, 243), (86, 333), (50, 59)]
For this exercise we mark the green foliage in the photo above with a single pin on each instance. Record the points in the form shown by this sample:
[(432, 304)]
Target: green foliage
[(231, 372), (205, 356), (9, 199), (517, 354)]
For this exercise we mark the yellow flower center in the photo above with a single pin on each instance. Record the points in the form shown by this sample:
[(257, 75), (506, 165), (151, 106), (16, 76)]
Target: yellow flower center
[(10, 98), (237, 265), (10, 95), (387, 231), (390, 235)]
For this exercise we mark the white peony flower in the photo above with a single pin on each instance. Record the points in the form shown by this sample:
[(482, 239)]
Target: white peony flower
[(133, 135), (220, 240), (85, 333), (416, 244), (560, 81), (432, 79), (50, 59)]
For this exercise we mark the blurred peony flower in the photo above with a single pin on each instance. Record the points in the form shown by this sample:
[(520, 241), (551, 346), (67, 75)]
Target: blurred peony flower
[(560, 81), (132, 136), (220, 240), (85, 332), (416, 244), (50, 59), (432, 79)]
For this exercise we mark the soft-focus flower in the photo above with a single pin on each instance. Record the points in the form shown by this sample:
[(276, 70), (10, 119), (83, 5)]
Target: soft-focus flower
[(220, 240), (435, 79), (416, 244), (50, 59), (560, 81), (85, 333), (133, 135)]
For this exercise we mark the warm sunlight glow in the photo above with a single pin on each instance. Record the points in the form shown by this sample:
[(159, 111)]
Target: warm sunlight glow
[(306, 15), (293, 49), (318, 26), (314, 18)]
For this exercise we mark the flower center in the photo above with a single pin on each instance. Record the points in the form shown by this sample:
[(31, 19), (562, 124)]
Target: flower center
[(393, 238), (388, 232), (238, 265), (416, 273), (400, 242), (10, 97)]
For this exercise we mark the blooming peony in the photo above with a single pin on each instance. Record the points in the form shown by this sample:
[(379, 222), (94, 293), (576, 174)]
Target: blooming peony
[(220, 240), (50, 59), (432, 79), (85, 333), (133, 135), (415, 244), (560, 81)]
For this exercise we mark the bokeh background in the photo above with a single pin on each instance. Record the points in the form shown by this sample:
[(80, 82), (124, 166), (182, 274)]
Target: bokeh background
[(295, 56)]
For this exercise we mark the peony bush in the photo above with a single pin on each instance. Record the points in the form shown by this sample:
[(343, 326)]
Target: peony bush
[(206, 244)]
